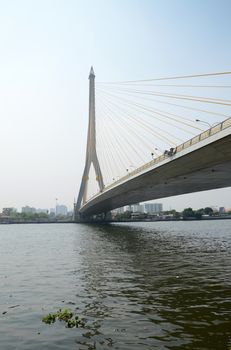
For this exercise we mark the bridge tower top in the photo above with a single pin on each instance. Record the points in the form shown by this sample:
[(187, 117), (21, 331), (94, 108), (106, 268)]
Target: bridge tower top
[(91, 154), (92, 73)]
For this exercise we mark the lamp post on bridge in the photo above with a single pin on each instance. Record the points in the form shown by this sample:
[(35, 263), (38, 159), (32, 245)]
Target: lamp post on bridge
[(153, 153), (206, 123), (130, 166)]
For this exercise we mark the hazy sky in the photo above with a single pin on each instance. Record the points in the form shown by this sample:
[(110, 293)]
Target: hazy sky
[(46, 50)]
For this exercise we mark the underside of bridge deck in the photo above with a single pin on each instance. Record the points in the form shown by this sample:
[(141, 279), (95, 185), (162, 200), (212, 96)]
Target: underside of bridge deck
[(206, 168)]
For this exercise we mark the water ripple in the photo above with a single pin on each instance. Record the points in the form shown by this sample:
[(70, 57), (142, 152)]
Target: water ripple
[(139, 286)]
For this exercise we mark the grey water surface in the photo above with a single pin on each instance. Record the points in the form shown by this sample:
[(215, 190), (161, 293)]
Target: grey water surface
[(163, 285)]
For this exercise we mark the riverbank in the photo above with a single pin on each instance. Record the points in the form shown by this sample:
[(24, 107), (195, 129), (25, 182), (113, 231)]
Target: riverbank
[(175, 219), (12, 221)]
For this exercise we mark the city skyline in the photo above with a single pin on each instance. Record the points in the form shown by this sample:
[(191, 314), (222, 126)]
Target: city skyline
[(44, 85), (133, 207), (29, 209)]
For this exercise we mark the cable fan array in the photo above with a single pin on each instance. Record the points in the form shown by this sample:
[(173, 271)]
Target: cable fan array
[(136, 121)]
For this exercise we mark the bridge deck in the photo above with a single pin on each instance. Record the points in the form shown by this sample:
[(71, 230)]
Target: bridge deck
[(201, 163)]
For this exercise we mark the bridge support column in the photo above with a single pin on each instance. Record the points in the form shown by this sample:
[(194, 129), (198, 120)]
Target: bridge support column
[(107, 216), (91, 155)]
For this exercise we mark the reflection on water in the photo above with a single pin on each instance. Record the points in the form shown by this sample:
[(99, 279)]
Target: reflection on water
[(139, 286)]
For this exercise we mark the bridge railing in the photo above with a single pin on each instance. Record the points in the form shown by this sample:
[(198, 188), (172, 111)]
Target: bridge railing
[(196, 139)]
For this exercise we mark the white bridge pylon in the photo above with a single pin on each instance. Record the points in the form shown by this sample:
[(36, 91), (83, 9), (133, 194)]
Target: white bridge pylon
[(91, 155)]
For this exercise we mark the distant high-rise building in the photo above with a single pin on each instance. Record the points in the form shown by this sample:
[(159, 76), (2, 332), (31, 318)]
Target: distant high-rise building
[(61, 209), (153, 207), (28, 210), (44, 211), (222, 210), (138, 208)]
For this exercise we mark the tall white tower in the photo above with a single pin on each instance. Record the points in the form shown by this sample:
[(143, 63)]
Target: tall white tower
[(91, 155)]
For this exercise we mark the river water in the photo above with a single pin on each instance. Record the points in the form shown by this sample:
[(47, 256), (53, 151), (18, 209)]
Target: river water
[(163, 285)]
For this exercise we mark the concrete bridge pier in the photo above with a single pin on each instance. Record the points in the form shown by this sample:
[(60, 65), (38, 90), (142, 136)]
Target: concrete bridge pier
[(99, 218)]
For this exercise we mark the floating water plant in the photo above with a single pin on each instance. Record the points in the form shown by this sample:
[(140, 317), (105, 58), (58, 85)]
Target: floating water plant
[(66, 316), (50, 318)]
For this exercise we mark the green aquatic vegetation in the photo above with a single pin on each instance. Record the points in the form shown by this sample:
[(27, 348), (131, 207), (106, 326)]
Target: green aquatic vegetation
[(71, 323), (66, 316), (79, 322), (50, 318)]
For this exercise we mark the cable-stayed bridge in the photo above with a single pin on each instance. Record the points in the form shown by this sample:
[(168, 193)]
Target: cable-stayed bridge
[(155, 138)]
